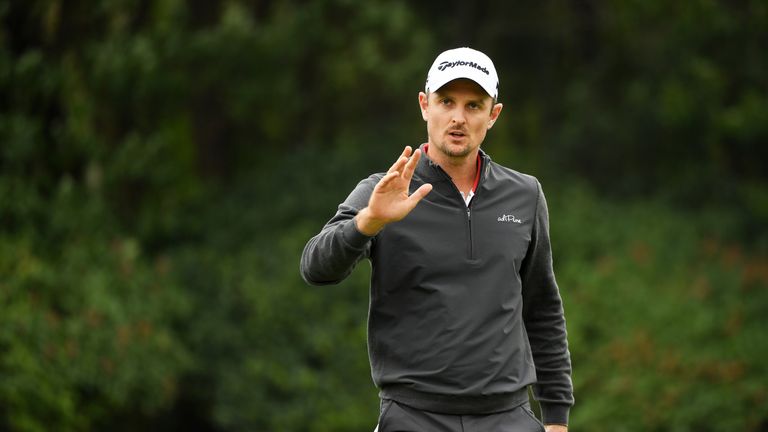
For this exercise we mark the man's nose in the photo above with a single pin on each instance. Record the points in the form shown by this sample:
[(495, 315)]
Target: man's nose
[(457, 117)]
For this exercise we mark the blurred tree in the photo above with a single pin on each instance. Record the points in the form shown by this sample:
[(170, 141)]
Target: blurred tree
[(163, 162), (636, 97), (123, 125)]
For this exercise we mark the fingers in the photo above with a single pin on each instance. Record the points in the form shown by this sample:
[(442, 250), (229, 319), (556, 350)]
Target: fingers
[(402, 169), (419, 193), (400, 162), (386, 180), (406, 164), (411, 165)]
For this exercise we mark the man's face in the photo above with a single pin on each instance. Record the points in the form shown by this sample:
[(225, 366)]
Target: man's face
[(458, 116)]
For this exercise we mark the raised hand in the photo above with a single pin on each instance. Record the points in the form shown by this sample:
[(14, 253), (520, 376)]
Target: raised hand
[(390, 201)]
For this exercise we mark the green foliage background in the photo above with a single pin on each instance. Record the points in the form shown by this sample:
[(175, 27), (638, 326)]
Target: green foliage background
[(162, 164)]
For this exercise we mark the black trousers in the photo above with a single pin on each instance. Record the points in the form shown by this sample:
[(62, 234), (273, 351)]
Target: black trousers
[(396, 417)]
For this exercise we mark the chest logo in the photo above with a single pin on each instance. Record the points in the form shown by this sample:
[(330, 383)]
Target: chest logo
[(509, 218)]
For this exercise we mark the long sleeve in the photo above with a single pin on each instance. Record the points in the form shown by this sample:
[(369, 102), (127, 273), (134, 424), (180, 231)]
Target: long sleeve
[(545, 323), (330, 256)]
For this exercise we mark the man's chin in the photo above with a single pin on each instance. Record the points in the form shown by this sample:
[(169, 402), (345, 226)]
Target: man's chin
[(455, 150)]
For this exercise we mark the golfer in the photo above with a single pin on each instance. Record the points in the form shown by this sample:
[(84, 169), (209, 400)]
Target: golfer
[(465, 313)]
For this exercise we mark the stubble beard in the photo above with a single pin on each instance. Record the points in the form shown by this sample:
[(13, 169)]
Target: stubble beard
[(452, 151)]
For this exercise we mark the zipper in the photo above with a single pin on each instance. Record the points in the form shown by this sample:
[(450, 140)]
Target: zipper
[(470, 244), (471, 249)]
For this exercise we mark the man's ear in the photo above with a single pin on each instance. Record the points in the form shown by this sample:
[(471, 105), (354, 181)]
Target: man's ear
[(423, 104), (495, 112)]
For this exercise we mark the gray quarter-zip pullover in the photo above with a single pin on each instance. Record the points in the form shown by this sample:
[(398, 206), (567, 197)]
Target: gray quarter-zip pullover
[(465, 312)]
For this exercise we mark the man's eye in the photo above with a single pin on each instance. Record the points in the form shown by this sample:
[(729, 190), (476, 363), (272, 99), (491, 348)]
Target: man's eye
[(445, 101), (474, 106)]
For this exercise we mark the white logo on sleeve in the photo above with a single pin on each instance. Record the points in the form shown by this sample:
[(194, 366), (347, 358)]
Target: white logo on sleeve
[(509, 218)]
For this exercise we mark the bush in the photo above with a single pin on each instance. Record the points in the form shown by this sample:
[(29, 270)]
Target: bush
[(86, 334), (664, 313)]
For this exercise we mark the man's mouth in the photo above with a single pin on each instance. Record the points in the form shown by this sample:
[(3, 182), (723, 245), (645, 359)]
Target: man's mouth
[(456, 134)]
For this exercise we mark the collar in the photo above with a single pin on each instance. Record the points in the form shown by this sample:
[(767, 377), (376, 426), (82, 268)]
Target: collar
[(480, 156)]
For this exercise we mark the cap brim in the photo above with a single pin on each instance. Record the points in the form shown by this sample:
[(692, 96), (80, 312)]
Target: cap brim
[(478, 78)]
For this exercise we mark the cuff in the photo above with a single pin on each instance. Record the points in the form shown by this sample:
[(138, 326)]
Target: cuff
[(353, 237), (555, 413)]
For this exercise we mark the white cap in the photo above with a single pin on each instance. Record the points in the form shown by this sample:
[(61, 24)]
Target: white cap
[(463, 63)]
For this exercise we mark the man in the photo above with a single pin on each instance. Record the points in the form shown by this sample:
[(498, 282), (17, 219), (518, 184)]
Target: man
[(465, 312)]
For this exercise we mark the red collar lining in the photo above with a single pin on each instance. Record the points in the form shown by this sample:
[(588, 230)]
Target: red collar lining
[(477, 176)]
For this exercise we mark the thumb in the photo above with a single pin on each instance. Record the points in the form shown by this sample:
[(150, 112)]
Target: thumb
[(419, 193)]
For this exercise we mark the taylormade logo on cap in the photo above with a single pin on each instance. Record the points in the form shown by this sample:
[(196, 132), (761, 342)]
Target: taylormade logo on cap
[(463, 63), (444, 65)]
